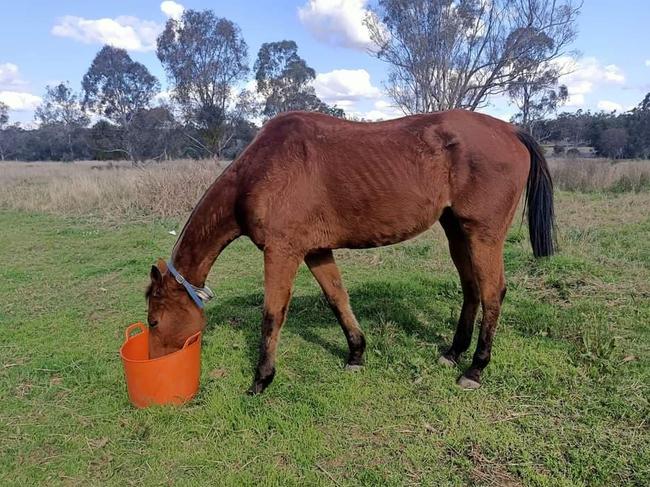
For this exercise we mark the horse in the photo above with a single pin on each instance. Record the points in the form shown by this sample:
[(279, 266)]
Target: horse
[(309, 183)]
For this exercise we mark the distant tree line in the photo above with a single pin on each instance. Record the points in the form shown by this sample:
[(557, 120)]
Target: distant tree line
[(614, 135), (440, 54)]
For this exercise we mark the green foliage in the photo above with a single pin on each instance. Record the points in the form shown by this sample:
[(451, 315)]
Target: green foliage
[(62, 121), (284, 80), (204, 56), (116, 86), (61, 106)]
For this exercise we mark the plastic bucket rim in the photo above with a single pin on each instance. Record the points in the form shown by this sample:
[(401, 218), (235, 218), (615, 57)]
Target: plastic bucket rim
[(141, 361)]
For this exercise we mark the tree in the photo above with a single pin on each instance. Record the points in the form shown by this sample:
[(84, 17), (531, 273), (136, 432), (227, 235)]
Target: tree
[(204, 56), (638, 125), (446, 54), (61, 106), (4, 115), (4, 119), (239, 128), (568, 127), (536, 98), (61, 115), (284, 79), (535, 89), (118, 88), (155, 133), (612, 142)]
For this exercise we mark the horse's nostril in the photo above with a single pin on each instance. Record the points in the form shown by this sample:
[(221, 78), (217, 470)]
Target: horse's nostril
[(152, 323)]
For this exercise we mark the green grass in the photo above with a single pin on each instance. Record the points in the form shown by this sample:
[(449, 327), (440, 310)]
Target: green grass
[(564, 402)]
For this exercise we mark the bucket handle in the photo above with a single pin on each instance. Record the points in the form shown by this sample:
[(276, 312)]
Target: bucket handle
[(192, 339), (134, 326)]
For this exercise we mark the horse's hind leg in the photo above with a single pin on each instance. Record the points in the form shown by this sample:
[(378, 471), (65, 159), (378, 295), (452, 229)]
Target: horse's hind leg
[(322, 266), (279, 272), (459, 250), (487, 262)]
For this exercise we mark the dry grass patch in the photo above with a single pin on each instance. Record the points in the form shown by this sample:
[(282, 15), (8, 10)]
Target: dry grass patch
[(600, 174), (108, 191)]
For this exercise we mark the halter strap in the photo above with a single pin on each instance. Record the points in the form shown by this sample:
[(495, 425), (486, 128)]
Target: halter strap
[(200, 295)]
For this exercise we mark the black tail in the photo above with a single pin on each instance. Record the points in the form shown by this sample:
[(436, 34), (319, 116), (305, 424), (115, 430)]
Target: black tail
[(539, 199)]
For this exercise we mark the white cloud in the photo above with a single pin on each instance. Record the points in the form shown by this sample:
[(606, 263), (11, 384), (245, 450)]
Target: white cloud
[(19, 101), (647, 63), (171, 9), (585, 75), (12, 89), (10, 77), (384, 104), (337, 22), (575, 100), (345, 84), (352, 90), (610, 106), (383, 110), (125, 32)]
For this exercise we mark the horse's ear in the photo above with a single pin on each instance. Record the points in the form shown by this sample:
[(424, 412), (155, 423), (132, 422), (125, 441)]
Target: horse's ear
[(158, 270), (155, 274), (161, 265)]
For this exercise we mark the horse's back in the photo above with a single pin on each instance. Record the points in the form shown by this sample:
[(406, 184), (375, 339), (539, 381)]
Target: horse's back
[(352, 184)]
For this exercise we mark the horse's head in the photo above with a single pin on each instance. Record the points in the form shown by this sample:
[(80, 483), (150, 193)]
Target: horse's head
[(173, 316)]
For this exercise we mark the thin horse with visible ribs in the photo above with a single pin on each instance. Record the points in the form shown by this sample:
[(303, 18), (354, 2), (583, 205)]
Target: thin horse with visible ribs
[(310, 183)]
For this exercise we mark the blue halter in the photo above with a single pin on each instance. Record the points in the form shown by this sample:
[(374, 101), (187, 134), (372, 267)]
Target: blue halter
[(200, 295)]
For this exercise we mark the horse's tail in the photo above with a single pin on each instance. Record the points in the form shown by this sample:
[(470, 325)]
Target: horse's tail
[(539, 199)]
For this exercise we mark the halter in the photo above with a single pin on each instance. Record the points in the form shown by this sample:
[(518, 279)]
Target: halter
[(200, 295)]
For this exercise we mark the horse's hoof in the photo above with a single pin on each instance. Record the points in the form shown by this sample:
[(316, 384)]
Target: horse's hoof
[(446, 362), (353, 367), (466, 383)]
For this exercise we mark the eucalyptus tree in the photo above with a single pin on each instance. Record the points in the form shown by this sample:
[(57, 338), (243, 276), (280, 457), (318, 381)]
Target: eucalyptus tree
[(61, 115), (445, 54), (205, 57), (118, 88)]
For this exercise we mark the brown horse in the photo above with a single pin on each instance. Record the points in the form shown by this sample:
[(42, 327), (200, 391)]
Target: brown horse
[(310, 183)]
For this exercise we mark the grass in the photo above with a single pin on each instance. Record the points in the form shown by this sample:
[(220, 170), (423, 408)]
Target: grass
[(107, 191), (588, 175), (564, 402)]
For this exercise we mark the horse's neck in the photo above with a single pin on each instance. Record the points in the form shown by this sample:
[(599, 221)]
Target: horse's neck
[(210, 228)]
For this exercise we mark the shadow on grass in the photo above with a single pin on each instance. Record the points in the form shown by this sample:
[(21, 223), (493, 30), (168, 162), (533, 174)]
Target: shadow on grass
[(419, 308)]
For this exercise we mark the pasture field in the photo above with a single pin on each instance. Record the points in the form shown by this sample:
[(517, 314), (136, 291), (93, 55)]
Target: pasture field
[(564, 401)]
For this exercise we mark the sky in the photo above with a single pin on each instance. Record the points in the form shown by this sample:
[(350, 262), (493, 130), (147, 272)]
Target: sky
[(45, 42)]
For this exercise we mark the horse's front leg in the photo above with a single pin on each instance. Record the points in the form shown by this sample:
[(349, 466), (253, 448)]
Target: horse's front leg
[(279, 272)]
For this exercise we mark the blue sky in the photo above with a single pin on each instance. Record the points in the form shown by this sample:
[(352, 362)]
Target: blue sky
[(46, 42)]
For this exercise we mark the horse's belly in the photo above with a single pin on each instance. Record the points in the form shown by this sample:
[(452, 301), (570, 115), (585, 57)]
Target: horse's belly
[(385, 225)]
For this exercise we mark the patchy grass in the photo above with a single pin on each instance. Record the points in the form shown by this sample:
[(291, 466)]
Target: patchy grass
[(591, 175), (106, 191), (564, 402)]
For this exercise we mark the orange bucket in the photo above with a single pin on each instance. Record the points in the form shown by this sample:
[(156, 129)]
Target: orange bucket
[(170, 379)]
